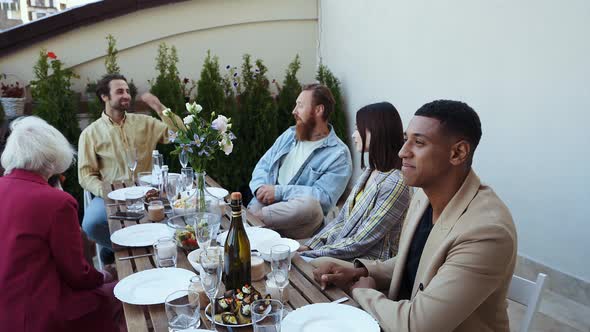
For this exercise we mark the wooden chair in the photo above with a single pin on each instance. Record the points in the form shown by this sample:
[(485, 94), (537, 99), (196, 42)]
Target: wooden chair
[(527, 293)]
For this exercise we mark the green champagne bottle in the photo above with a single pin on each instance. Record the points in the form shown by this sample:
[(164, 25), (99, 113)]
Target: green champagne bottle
[(237, 249)]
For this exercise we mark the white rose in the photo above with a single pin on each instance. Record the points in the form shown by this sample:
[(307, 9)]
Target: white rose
[(227, 146), (220, 124), (188, 119), (194, 108), (166, 112)]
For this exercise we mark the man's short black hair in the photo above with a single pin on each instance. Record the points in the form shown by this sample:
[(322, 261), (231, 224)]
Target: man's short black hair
[(456, 117), (102, 87)]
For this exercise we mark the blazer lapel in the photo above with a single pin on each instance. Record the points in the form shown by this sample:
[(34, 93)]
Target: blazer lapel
[(448, 218), (418, 205)]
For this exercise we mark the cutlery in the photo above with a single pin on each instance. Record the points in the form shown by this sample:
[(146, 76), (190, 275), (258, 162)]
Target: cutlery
[(340, 300), (135, 256)]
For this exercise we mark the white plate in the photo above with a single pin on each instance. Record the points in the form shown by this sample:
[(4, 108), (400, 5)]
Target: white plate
[(217, 192), (222, 324), (148, 178), (119, 194), (328, 317), (256, 235), (152, 286), (264, 247), (141, 235)]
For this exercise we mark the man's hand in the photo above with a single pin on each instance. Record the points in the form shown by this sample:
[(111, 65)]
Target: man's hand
[(334, 274), (153, 102), (364, 282), (303, 248), (265, 194)]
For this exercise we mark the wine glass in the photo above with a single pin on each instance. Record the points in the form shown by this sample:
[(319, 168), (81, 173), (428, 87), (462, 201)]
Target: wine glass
[(131, 159), (212, 264), (280, 264), (183, 158), (172, 188), (206, 228)]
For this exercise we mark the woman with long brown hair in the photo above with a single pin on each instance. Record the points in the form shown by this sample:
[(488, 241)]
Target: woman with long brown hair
[(370, 221)]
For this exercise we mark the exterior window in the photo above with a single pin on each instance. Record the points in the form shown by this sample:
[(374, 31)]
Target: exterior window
[(39, 15)]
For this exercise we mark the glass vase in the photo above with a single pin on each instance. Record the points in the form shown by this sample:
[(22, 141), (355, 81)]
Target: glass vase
[(201, 201)]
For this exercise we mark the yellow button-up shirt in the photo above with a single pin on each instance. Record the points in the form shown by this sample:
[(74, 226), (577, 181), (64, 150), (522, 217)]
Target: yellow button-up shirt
[(101, 148)]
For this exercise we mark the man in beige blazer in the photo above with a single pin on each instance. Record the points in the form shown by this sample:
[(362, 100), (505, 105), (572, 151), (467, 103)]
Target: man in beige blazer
[(458, 245)]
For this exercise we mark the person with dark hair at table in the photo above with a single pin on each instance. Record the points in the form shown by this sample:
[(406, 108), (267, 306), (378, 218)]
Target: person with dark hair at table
[(370, 221), (101, 150), (46, 283), (458, 245), (304, 173)]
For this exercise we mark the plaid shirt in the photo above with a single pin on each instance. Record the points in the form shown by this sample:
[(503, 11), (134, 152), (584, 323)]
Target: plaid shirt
[(369, 226)]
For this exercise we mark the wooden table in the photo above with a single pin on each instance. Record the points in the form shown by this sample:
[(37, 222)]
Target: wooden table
[(303, 290)]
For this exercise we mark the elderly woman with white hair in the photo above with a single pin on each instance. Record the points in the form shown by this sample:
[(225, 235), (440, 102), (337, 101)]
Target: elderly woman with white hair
[(46, 283)]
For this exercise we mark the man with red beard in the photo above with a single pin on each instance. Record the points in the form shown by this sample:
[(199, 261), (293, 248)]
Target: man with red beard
[(300, 178), (102, 145)]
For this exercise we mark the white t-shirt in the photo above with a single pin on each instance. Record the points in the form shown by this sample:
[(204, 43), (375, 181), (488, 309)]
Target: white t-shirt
[(295, 159)]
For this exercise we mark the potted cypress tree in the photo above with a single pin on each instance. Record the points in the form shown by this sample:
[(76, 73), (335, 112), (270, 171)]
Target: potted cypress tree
[(288, 94), (338, 119), (56, 103)]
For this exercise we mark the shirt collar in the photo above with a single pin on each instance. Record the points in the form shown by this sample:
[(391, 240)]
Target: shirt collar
[(108, 119)]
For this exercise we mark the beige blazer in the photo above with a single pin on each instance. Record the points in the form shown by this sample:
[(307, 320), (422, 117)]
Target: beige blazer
[(464, 271)]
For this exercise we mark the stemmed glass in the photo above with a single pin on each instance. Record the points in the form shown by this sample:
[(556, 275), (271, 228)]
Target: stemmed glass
[(206, 228), (131, 159), (280, 264), (212, 263), (183, 158), (172, 188)]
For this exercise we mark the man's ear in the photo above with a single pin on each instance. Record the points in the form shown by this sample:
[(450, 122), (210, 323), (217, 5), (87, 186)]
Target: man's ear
[(319, 110), (460, 153), (104, 98)]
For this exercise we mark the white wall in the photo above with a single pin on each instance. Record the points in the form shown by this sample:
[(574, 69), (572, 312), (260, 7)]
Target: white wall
[(524, 66), (272, 30)]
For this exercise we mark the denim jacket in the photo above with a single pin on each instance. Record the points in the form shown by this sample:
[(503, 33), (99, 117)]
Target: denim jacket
[(324, 175)]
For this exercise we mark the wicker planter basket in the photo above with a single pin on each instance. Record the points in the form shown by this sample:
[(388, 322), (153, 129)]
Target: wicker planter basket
[(13, 107)]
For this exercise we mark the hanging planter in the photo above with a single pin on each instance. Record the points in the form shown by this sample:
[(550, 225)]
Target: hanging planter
[(12, 96)]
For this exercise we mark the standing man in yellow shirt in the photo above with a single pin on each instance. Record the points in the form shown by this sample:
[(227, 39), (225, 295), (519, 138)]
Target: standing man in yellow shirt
[(101, 150)]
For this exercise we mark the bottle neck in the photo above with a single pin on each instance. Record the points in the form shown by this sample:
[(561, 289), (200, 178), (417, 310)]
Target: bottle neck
[(236, 215)]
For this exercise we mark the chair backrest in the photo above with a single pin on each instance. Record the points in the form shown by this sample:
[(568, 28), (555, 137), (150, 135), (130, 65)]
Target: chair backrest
[(527, 293)]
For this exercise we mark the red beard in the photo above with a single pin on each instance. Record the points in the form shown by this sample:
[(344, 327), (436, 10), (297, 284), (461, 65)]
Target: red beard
[(304, 130)]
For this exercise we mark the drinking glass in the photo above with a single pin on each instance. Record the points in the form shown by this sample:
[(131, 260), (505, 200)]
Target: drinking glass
[(195, 291), (267, 317), (156, 211), (134, 200), (183, 158), (131, 159), (183, 311), (172, 188), (165, 252), (280, 264), (206, 227), (212, 263), (188, 176)]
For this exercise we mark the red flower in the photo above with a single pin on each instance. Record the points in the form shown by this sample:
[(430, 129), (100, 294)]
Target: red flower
[(51, 55)]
